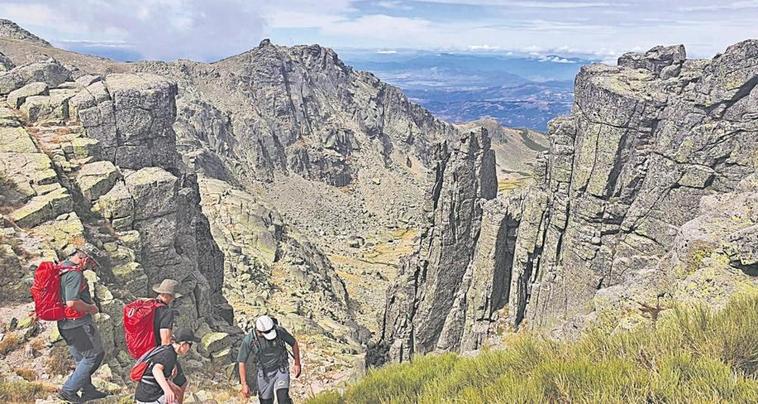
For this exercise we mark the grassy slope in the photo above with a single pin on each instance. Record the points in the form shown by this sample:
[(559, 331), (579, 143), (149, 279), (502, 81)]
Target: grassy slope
[(693, 355)]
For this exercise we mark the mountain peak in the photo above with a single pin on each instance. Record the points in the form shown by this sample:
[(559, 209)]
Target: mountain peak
[(11, 30)]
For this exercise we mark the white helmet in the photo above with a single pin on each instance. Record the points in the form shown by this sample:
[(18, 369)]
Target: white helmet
[(265, 325)]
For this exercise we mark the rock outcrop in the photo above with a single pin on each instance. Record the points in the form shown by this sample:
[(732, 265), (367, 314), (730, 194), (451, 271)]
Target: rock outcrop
[(264, 257), (102, 167), (629, 208), (424, 306), (11, 30)]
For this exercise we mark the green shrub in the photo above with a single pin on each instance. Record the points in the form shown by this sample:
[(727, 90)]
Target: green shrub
[(692, 355)]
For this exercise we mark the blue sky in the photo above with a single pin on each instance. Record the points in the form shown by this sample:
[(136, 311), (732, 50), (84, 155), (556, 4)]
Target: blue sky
[(208, 30)]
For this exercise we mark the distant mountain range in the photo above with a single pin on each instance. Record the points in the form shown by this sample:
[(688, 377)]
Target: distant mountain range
[(517, 90)]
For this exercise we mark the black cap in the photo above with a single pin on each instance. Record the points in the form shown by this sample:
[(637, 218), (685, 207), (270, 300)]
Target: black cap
[(185, 335)]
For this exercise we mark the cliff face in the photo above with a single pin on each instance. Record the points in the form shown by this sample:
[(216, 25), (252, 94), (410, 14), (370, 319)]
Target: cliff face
[(299, 110), (94, 160), (630, 207), (424, 306), (302, 131)]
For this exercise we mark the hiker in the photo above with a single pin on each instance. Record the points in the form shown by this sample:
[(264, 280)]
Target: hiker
[(267, 343), (148, 323), (159, 383), (80, 333), (163, 322)]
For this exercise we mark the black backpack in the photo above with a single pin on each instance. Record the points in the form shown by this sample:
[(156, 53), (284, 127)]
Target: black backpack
[(257, 345)]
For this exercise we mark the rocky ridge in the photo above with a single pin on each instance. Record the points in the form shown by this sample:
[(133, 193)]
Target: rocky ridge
[(288, 127), (646, 196), (74, 171), (11, 30)]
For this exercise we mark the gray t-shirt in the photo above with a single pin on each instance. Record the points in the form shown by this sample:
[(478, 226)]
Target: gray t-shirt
[(272, 355), (74, 287)]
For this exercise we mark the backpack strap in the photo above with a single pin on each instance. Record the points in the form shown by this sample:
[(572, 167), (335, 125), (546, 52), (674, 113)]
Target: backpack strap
[(62, 269), (148, 358)]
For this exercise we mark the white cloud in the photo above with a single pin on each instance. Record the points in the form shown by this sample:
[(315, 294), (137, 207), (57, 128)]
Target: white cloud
[(532, 4), (484, 47), (394, 5), (208, 30), (161, 29), (717, 6)]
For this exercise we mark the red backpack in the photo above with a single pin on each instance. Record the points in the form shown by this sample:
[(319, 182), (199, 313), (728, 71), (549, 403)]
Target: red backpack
[(46, 292), (144, 362), (138, 326)]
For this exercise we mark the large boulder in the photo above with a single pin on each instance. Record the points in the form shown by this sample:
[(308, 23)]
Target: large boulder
[(42, 208), (131, 115), (656, 59), (96, 179), (117, 206), (17, 97), (49, 72), (154, 191)]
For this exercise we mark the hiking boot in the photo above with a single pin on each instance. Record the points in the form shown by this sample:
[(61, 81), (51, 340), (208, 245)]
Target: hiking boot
[(67, 397), (93, 395)]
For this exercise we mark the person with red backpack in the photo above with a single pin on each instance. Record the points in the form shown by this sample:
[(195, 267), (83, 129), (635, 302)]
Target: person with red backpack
[(77, 328), (163, 322), (148, 322), (148, 326)]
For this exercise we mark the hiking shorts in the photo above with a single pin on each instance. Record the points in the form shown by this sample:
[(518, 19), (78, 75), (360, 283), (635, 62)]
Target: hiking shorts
[(270, 383)]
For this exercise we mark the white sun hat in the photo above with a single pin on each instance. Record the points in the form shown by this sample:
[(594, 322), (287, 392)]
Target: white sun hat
[(265, 325)]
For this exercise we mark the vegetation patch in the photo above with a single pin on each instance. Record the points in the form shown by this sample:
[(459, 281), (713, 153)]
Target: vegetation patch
[(504, 186), (27, 374), (692, 355), (24, 391), (696, 253), (10, 343), (59, 362)]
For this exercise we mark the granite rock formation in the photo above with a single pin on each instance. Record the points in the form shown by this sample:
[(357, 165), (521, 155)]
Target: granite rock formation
[(77, 172), (11, 30), (629, 209), (424, 306)]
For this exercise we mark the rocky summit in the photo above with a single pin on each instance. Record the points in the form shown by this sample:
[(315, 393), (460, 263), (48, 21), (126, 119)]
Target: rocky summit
[(647, 195)]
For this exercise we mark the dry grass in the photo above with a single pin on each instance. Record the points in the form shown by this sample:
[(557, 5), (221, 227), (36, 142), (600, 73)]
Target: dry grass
[(38, 344), (504, 186), (10, 343), (693, 355), (58, 362), (24, 392), (29, 375)]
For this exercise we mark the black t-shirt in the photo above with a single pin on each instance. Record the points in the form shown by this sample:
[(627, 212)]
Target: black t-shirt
[(164, 318), (273, 354), (148, 388)]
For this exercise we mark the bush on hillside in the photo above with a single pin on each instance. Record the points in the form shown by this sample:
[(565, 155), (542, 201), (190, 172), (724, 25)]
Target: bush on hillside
[(692, 355), (24, 391)]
